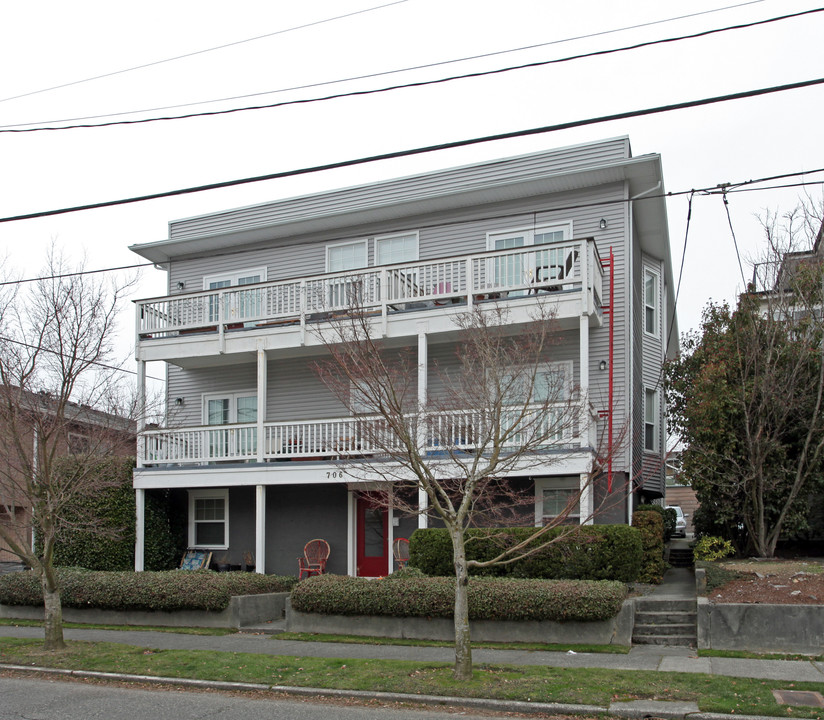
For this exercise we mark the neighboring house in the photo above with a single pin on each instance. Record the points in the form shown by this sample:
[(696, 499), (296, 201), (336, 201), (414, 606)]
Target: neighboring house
[(84, 431), (679, 489), (247, 287)]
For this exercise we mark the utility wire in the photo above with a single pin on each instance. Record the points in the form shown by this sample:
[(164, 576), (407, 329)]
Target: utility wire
[(40, 348), (397, 70), (421, 150), (74, 274), (680, 271), (563, 208), (734, 239), (199, 52), (421, 83)]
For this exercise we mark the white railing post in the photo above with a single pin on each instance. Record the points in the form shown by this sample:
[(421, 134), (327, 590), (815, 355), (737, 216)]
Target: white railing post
[(470, 284), (384, 294)]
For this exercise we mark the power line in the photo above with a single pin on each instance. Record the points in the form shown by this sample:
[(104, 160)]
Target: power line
[(105, 366), (421, 150), (562, 208), (421, 83), (398, 70), (74, 274), (734, 239), (199, 52)]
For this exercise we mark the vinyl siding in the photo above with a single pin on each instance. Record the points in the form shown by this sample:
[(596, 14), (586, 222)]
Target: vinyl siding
[(403, 190)]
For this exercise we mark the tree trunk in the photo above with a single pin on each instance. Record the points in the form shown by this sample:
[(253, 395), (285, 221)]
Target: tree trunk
[(463, 645), (53, 617)]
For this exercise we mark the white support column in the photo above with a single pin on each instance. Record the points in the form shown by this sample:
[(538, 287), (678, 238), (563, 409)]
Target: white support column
[(587, 507), (141, 409), (351, 544), (261, 400), (583, 422), (260, 529), (140, 529), (423, 389), (423, 504)]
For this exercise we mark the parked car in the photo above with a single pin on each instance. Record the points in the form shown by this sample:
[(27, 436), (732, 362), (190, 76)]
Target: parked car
[(680, 522)]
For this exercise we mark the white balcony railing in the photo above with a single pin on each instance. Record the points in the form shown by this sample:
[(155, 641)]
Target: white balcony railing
[(347, 437), (572, 266)]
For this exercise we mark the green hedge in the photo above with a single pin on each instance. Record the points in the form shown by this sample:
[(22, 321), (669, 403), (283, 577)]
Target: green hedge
[(489, 598), (590, 552), (650, 523), (172, 590), (111, 545)]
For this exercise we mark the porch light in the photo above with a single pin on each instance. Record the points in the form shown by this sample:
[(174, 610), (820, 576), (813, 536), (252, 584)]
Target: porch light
[(603, 224), (181, 285), (602, 366), (178, 401)]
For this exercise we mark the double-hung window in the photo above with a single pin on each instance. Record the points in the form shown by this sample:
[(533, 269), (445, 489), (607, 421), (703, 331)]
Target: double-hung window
[(650, 302), (651, 415), (209, 519), (553, 496)]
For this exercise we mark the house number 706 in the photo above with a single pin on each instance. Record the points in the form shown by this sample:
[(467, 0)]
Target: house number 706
[(335, 475)]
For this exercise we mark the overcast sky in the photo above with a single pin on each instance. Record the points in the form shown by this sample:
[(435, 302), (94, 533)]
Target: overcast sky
[(51, 43)]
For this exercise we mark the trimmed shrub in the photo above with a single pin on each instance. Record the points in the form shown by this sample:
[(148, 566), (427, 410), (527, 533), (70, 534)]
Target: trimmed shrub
[(710, 548), (588, 552), (668, 517), (489, 598), (650, 523), (172, 590)]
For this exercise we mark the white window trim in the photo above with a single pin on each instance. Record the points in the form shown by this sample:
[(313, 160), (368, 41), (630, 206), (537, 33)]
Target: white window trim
[(392, 236), (542, 483), (657, 307), (566, 366), (656, 424), (529, 233), (232, 396), (329, 246), (219, 493), (233, 277)]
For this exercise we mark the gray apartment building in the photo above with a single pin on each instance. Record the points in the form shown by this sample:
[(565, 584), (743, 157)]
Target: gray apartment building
[(256, 443)]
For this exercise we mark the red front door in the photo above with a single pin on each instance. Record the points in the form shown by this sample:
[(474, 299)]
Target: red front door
[(373, 535)]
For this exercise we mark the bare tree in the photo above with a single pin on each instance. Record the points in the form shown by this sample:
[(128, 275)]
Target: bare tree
[(58, 397), (500, 408)]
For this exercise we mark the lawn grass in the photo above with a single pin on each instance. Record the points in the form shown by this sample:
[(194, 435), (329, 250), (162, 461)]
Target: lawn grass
[(409, 642), (743, 654), (538, 684), (149, 628)]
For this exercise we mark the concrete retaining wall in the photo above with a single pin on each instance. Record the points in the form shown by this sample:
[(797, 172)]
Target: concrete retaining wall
[(243, 610), (617, 631), (760, 628)]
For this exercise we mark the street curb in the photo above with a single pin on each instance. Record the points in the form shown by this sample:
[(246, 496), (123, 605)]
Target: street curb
[(639, 711)]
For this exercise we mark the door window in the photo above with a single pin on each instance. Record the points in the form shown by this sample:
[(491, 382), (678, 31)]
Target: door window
[(231, 409), (240, 305)]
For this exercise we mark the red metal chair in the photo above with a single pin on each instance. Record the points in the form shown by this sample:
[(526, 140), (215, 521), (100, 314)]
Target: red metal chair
[(315, 554), (400, 549)]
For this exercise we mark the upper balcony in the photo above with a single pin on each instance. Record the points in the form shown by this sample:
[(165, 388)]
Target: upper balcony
[(225, 320)]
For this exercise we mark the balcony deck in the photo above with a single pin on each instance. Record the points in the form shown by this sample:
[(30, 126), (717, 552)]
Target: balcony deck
[(569, 271), (564, 425)]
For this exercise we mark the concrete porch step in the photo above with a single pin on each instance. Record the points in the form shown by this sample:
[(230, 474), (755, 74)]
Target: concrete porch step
[(646, 617), (666, 605), (672, 640), (671, 629)]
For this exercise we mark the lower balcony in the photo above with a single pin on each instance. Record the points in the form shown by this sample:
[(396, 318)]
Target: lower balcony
[(349, 437)]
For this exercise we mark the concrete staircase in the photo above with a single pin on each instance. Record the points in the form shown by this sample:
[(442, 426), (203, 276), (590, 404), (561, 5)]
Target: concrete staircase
[(681, 556), (665, 621)]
